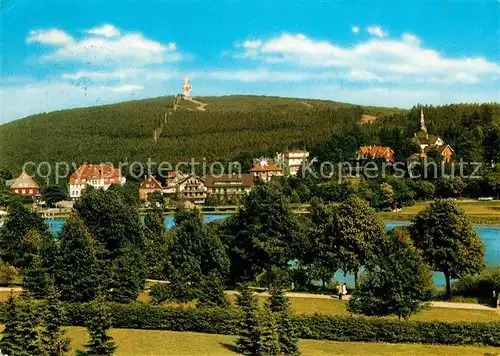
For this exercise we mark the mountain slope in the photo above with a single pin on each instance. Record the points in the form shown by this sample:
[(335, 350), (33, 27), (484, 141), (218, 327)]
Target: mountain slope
[(122, 132)]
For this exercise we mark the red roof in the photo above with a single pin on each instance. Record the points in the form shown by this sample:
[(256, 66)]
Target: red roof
[(381, 151), (152, 182), (270, 168), (87, 172)]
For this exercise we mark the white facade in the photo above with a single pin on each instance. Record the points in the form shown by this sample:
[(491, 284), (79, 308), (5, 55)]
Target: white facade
[(291, 161)]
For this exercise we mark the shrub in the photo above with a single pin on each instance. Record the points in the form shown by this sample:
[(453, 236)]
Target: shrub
[(480, 286), (318, 327)]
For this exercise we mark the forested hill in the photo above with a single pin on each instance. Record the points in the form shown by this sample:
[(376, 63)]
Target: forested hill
[(229, 126)]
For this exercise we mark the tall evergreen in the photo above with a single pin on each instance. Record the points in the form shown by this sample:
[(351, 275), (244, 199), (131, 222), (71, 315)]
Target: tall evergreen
[(250, 330), (270, 345), (77, 271), (98, 324), (156, 243), (211, 292), (28, 328), (287, 331), (54, 342), (9, 344)]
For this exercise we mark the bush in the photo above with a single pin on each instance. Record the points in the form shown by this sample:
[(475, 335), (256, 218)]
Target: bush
[(318, 327), (480, 286)]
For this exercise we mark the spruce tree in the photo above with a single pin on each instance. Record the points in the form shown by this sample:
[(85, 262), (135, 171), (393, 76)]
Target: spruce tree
[(54, 342), (9, 344), (270, 345), (287, 332), (250, 331), (77, 270), (211, 292), (28, 328), (98, 324)]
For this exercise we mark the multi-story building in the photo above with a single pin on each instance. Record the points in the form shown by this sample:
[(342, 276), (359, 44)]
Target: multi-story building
[(228, 186), (192, 188), (265, 171), (291, 161), (24, 185), (98, 176)]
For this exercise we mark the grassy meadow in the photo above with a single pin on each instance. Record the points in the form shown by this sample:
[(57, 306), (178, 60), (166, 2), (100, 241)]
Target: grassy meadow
[(156, 342)]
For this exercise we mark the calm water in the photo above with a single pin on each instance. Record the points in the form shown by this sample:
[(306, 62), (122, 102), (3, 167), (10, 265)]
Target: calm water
[(489, 234)]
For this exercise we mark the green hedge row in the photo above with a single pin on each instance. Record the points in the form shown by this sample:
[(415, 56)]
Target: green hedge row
[(318, 327)]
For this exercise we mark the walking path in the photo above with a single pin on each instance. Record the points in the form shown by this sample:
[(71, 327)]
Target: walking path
[(436, 304), (306, 104), (201, 105)]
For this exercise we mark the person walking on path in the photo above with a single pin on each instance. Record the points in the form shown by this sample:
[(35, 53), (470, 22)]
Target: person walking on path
[(339, 290), (344, 289)]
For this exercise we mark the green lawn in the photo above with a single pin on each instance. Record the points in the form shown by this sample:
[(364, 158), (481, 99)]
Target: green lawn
[(338, 307), (479, 212), (155, 342)]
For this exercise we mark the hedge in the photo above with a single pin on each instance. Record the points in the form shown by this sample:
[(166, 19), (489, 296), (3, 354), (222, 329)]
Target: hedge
[(317, 327)]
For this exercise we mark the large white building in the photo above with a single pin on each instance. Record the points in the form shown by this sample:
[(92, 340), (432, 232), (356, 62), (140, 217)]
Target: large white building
[(98, 176), (291, 161)]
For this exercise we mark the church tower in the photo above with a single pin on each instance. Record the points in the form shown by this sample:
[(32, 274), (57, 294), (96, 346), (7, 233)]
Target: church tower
[(422, 121)]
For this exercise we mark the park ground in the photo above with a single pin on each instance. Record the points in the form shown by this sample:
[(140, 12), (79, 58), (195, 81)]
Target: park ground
[(156, 342), (478, 212)]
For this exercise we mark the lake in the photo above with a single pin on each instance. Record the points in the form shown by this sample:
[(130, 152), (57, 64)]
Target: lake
[(489, 234)]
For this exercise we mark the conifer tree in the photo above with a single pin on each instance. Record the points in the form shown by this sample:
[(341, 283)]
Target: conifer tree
[(98, 324), (9, 344), (211, 292), (77, 271), (249, 332), (287, 332), (54, 342), (270, 345), (28, 328)]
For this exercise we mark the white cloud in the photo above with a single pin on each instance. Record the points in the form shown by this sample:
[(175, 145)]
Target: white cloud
[(106, 46), (252, 44), (126, 88), (362, 75), (120, 74), (259, 75), (51, 36), (376, 31), (355, 29), (386, 60), (104, 30)]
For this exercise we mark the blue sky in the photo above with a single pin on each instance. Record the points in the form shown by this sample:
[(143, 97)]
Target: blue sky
[(65, 54)]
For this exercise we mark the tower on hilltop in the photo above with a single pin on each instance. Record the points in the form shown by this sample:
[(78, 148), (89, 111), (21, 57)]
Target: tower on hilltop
[(186, 88)]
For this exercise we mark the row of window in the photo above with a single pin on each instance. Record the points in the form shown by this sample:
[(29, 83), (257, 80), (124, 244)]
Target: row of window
[(24, 191)]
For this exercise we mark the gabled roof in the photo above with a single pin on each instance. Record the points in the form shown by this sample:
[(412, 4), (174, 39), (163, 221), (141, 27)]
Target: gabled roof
[(23, 181), (374, 151), (425, 139), (151, 180), (231, 180), (87, 172), (191, 176)]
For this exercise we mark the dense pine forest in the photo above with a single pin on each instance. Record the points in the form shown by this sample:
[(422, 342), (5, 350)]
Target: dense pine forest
[(240, 127)]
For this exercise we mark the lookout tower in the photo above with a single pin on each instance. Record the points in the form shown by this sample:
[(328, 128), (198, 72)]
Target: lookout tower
[(186, 88)]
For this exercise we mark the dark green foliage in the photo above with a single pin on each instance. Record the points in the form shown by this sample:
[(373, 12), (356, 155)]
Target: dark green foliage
[(118, 229), (225, 321), (286, 329), (250, 331), (211, 292), (124, 132), (196, 249), (127, 275), (20, 221), (53, 194), (26, 329), (263, 235), (399, 282), (269, 334), (356, 233), (479, 286), (98, 324), (157, 242), (35, 277), (447, 240), (177, 290), (9, 344), (77, 270), (110, 220), (54, 342)]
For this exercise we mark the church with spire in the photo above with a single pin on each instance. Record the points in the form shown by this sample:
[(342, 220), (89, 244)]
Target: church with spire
[(431, 143)]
